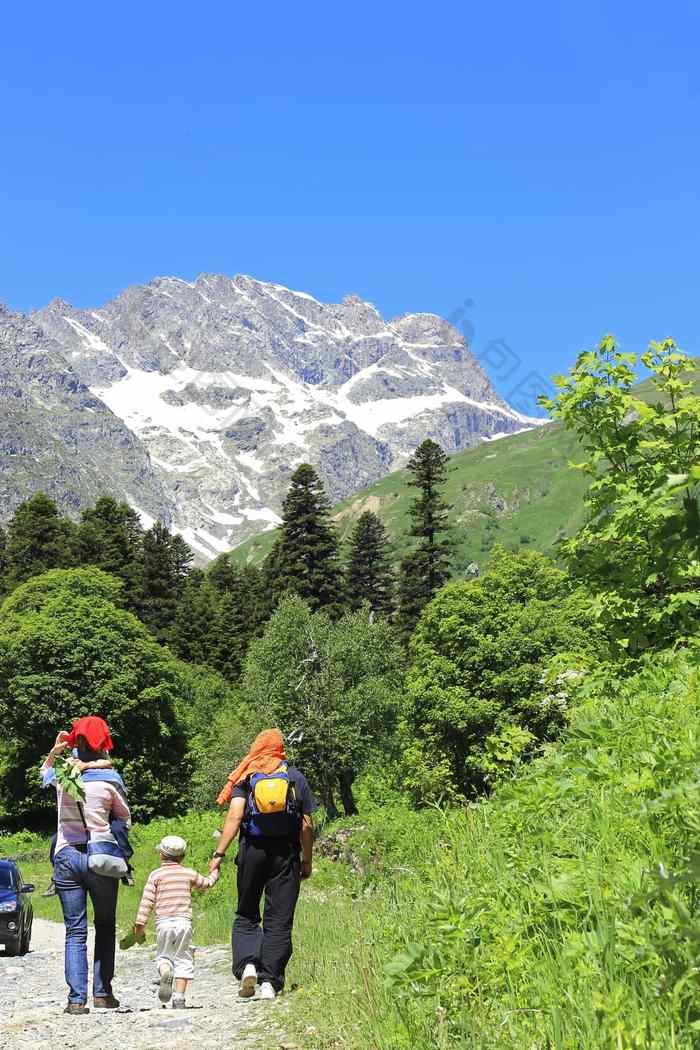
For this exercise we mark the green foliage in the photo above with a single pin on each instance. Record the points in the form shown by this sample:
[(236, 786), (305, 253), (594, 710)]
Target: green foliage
[(68, 777), (66, 650), (166, 561), (577, 896), (37, 540), (333, 686), (639, 550), (218, 727), (305, 558), (369, 575), (239, 618), (69, 584), (426, 568), (3, 558), (218, 747), (562, 913), (477, 701), (110, 536), (190, 635)]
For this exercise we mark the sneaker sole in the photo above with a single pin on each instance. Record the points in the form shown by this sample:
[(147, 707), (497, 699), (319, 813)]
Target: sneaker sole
[(165, 986), (247, 988)]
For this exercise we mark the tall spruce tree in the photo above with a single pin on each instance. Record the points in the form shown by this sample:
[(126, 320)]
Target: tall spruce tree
[(3, 559), (110, 536), (222, 574), (37, 539), (239, 616), (166, 561), (192, 631), (426, 568), (305, 558), (369, 576)]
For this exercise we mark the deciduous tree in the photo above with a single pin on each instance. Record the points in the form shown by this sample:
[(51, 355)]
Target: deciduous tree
[(478, 656), (639, 550)]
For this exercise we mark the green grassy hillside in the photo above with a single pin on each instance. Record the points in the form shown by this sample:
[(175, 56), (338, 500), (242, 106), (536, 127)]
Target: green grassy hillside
[(517, 491)]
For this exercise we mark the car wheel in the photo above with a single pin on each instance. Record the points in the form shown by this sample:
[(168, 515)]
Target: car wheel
[(24, 943)]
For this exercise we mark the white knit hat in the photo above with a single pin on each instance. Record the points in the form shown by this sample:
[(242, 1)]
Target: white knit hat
[(172, 846)]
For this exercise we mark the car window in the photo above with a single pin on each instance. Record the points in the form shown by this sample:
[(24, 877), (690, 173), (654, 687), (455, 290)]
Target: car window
[(7, 880)]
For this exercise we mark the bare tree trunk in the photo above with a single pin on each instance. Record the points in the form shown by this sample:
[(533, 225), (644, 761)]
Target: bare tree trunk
[(332, 811), (346, 796)]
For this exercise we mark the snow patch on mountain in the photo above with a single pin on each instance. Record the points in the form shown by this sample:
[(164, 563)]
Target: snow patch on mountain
[(229, 383)]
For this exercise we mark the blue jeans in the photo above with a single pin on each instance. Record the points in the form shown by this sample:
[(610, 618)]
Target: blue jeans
[(73, 884)]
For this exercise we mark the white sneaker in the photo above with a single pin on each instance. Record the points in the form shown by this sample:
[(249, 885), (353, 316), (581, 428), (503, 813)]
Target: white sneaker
[(267, 991), (248, 981), (165, 984)]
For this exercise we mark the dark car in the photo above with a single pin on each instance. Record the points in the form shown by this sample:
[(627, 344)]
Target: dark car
[(16, 912)]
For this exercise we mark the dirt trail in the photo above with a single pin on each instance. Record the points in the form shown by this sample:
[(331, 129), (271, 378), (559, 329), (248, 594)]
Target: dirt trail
[(33, 994)]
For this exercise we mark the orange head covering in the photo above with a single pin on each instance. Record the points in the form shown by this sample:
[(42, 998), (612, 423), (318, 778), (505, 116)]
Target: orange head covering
[(265, 755)]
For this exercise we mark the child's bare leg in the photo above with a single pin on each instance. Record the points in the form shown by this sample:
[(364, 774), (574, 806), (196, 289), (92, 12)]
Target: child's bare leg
[(181, 985)]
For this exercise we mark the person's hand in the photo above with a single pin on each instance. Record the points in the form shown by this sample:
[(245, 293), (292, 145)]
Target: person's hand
[(214, 864), (139, 930), (80, 766), (306, 869), (61, 743)]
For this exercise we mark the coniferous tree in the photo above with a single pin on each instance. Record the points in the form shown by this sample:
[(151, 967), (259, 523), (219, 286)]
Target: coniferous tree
[(165, 561), (369, 575), (37, 539), (426, 568), (181, 556), (305, 558), (222, 574), (110, 536), (241, 612), (3, 559), (191, 635), (231, 635)]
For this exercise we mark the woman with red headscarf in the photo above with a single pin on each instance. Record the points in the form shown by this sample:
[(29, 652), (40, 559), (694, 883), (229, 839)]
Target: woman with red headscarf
[(271, 804), (75, 881)]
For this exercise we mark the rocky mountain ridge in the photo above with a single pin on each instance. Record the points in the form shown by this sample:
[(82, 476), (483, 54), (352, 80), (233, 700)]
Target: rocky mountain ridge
[(221, 386)]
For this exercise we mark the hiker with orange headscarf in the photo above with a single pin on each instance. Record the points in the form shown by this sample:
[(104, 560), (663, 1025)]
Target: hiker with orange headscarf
[(271, 805)]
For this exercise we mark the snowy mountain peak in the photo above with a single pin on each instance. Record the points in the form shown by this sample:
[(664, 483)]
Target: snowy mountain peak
[(229, 383)]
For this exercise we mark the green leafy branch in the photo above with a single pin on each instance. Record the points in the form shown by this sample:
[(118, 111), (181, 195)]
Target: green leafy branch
[(68, 778)]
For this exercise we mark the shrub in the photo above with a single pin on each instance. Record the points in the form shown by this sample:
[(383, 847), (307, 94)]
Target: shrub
[(478, 658)]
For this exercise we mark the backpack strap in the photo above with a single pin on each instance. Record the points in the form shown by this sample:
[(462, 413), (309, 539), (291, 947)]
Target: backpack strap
[(82, 817)]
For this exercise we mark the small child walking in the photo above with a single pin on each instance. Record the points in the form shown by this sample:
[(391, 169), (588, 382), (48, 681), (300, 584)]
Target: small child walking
[(169, 890)]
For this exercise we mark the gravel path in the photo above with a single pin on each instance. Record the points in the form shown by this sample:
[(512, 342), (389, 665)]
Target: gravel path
[(33, 994)]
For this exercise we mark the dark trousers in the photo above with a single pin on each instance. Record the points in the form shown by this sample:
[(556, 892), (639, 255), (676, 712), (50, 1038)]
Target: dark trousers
[(271, 867)]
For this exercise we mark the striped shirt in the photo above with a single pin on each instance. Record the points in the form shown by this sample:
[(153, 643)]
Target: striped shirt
[(169, 890), (103, 802)]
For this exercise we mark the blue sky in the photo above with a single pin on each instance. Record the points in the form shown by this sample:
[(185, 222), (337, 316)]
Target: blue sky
[(541, 160)]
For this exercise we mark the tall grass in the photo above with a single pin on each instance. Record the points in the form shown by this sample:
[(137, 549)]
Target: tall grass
[(561, 914)]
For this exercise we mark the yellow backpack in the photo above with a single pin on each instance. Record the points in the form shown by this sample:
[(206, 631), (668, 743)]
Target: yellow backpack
[(271, 808)]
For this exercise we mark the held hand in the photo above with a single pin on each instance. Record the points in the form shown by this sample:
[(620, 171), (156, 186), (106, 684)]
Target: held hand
[(214, 864), (139, 930), (306, 869), (80, 766)]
